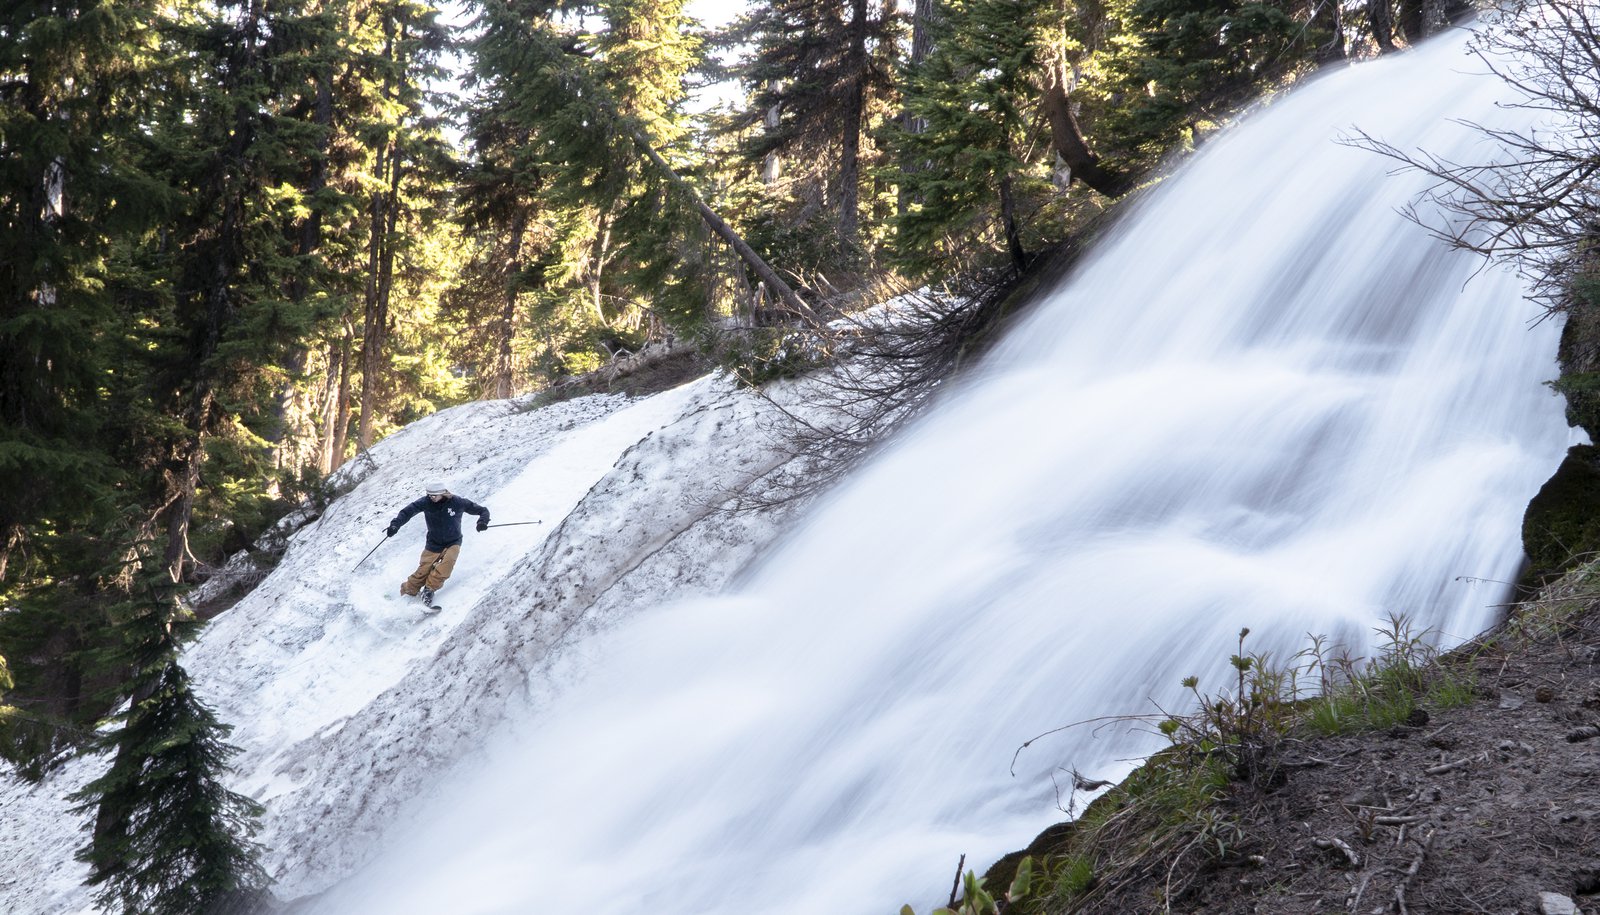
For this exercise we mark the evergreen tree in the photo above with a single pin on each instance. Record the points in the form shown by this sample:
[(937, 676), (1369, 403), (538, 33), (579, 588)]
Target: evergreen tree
[(408, 166), (169, 837), (975, 100), (821, 78), (69, 75), (1199, 60), (75, 83), (220, 341), (572, 131)]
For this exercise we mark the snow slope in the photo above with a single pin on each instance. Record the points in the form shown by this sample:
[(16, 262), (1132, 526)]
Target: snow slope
[(347, 699)]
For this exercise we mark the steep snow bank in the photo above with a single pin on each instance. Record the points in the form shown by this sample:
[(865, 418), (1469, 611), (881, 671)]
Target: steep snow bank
[(347, 699)]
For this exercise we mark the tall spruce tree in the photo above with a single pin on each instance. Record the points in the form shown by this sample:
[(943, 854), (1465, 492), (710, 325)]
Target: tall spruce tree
[(974, 98), (1199, 60), (70, 71), (169, 837), (221, 341), (408, 164), (573, 129), (75, 81), (821, 76)]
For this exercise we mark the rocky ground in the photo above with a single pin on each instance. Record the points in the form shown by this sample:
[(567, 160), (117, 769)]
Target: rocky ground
[(1492, 806)]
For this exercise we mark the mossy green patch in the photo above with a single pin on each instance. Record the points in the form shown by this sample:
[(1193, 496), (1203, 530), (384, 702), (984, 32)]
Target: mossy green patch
[(1562, 523)]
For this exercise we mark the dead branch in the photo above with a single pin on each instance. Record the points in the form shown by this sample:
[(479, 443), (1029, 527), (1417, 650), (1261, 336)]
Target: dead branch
[(1442, 768), (1416, 865), (884, 367), (955, 887), (1342, 846), (1355, 900), (1398, 821)]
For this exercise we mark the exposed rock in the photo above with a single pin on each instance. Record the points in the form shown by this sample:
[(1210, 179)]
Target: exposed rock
[(1563, 520)]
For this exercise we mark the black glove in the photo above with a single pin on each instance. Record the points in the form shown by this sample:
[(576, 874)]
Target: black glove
[(483, 524), (390, 530)]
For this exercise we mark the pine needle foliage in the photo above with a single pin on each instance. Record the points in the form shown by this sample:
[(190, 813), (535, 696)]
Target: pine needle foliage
[(169, 837)]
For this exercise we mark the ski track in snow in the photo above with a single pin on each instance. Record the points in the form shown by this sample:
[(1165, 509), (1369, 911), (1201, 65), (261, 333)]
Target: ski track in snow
[(347, 699)]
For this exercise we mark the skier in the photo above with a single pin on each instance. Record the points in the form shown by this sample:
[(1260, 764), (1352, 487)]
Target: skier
[(442, 510)]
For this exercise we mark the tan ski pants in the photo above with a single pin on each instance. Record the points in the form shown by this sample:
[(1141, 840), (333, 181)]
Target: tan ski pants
[(432, 570)]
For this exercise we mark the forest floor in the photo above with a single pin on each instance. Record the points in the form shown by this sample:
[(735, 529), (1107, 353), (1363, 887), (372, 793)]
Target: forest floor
[(1490, 806)]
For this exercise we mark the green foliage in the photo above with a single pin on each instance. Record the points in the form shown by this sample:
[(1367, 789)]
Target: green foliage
[(974, 101), (169, 837), (576, 236), (1194, 61), (977, 900), (1561, 526), (1171, 818), (1242, 730), (820, 80), (69, 191), (1390, 688)]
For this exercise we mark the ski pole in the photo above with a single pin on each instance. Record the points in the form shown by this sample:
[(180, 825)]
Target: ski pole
[(369, 554), (511, 524)]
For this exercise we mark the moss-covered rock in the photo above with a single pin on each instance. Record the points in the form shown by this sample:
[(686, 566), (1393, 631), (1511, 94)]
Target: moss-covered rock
[(1580, 357), (1562, 522)]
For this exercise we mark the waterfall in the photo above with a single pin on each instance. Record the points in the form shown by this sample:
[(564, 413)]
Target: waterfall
[(1266, 400)]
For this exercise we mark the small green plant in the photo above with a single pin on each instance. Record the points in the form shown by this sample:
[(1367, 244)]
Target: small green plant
[(1242, 729), (1172, 818), (976, 900), (1387, 689)]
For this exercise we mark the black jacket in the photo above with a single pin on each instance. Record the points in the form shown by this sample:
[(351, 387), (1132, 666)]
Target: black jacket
[(443, 517)]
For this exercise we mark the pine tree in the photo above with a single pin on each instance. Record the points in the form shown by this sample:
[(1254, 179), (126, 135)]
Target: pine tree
[(169, 837), (575, 174), (821, 79), (408, 164), (1198, 60), (75, 82), (219, 342), (975, 98), (69, 75)]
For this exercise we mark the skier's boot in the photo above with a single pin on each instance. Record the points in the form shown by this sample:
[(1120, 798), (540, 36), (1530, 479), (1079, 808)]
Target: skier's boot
[(427, 596)]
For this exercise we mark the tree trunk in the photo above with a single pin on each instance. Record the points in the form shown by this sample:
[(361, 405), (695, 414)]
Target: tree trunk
[(185, 480), (746, 253), (503, 387), (1069, 143), (290, 420), (1008, 221), (1333, 51), (772, 166), (373, 316), (340, 426), (330, 407), (380, 280), (598, 254), (854, 115), (922, 22), (380, 261), (1380, 18), (1435, 19)]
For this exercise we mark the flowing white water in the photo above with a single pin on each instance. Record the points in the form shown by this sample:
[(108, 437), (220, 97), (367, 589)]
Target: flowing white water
[(1268, 401)]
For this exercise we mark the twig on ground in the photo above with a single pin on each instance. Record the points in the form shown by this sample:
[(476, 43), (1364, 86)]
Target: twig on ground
[(1355, 899), (1342, 846), (1416, 865), (1399, 821)]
